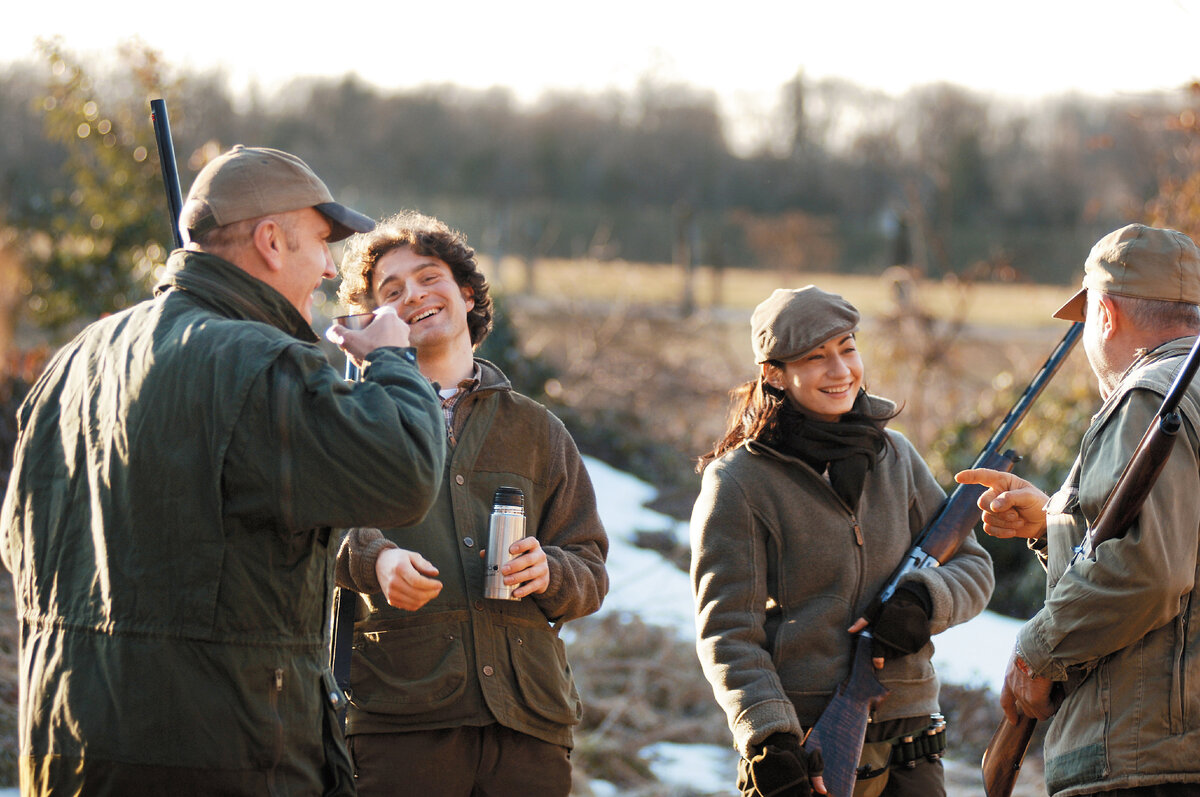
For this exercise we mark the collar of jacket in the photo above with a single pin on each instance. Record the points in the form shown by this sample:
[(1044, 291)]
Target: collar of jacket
[(232, 292), (1177, 347), (491, 377)]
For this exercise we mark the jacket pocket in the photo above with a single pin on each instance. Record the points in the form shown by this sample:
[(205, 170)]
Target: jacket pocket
[(409, 670), (1076, 748), (539, 660)]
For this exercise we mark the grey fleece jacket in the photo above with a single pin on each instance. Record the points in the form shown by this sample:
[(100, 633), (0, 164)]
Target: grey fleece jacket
[(781, 567)]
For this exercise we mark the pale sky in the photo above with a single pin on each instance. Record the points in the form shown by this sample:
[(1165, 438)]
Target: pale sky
[(745, 50)]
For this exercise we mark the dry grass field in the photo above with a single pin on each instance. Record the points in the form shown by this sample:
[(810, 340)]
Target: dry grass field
[(950, 353), (1017, 305)]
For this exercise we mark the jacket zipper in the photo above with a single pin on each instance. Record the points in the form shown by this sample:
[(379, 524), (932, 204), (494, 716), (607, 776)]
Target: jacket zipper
[(277, 752), (1183, 657)]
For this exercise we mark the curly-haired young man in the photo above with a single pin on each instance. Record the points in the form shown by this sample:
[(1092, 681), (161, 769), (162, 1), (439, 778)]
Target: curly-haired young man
[(453, 693)]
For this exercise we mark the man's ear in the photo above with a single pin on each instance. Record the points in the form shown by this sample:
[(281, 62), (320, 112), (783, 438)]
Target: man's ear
[(468, 295), (1108, 315), (269, 242)]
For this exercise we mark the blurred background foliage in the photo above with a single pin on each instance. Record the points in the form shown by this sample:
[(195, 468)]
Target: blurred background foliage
[(87, 233), (852, 181)]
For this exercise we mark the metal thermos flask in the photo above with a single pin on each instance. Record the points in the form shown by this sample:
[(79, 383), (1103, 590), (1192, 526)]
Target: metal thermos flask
[(507, 525)]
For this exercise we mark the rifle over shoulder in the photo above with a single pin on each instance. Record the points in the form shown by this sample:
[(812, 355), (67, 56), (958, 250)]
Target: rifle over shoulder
[(1005, 752)]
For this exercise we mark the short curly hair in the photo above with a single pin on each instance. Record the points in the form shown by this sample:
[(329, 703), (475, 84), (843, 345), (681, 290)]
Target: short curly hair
[(425, 235)]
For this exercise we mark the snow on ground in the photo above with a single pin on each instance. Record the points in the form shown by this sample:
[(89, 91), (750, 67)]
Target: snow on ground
[(644, 583)]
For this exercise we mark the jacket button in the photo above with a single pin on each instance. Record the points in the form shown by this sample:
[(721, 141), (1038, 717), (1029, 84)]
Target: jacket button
[(469, 542), (487, 670), (459, 479), (479, 605)]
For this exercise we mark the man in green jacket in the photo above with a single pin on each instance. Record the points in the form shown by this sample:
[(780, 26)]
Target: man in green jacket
[(453, 693), (1119, 635), (178, 471)]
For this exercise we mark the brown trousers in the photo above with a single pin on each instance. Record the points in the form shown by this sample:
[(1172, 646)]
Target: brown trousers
[(491, 761)]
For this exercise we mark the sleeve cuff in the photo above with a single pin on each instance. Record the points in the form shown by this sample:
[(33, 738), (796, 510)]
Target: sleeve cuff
[(366, 544), (1041, 664)]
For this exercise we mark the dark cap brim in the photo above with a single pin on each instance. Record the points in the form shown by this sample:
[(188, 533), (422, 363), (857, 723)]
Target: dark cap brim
[(1075, 309), (345, 221)]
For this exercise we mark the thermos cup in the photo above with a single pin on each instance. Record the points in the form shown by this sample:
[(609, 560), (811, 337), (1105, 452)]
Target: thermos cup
[(507, 525), (355, 321)]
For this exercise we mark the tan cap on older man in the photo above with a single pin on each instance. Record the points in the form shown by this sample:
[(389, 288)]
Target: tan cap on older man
[(250, 182), (1142, 262)]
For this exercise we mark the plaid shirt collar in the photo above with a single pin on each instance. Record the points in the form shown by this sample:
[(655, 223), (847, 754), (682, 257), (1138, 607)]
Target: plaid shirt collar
[(450, 403)]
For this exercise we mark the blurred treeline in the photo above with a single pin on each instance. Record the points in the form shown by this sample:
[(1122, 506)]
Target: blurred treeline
[(839, 178)]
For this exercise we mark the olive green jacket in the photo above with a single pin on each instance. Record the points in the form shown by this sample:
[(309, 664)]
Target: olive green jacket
[(781, 567), (463, 659), (167, 524), (1122, 631)]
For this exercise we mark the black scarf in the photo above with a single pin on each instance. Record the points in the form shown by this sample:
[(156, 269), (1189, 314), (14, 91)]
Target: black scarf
[(848, 448)]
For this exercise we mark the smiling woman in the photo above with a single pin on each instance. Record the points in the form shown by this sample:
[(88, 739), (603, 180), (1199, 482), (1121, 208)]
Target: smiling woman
[(824, 382), (807, 504)]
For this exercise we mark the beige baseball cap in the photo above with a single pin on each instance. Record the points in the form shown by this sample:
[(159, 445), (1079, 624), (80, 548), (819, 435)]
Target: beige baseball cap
[(249, 182), (792, 322), (1139, 261)]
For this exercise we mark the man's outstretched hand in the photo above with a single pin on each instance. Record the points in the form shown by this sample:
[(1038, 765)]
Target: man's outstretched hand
[(1012, 507)]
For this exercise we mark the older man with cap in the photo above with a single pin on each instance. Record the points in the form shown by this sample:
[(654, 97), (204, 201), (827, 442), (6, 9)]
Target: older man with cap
[(168, 521), (1115, 650)]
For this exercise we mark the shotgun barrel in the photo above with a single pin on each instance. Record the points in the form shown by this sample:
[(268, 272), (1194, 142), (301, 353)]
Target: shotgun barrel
[(170, 171)]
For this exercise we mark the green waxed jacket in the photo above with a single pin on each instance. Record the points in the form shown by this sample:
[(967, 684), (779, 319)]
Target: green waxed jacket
[(462, 659), (167, 524), (1122, 631)]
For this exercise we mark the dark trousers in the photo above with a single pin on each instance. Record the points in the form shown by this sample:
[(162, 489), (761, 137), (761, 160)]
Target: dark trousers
[(925, 779), (492, 761)]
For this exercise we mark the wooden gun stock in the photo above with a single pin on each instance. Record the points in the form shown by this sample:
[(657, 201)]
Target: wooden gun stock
[(1004, 755), (1006, 750), (840, 731)]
